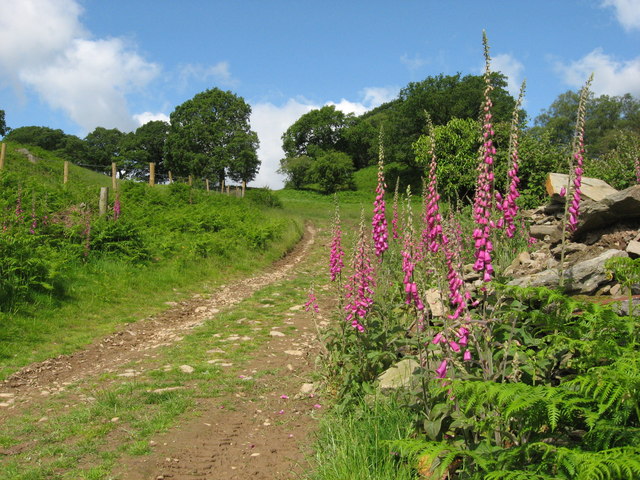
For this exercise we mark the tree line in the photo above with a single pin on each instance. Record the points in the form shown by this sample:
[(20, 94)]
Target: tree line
[(208, 136), (324, 147)]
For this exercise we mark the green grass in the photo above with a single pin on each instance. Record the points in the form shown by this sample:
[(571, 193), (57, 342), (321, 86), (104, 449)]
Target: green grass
[(354, 444), (81, 438)]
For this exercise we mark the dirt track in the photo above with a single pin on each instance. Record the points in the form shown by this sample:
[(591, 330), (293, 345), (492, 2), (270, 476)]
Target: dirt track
[(261, 437)]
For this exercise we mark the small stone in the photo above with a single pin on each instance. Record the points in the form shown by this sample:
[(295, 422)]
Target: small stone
[(115, 419), (307, 388), (255, 454), (295, 353), (7, 395), (276, 333), (187, 369), (43, 419)]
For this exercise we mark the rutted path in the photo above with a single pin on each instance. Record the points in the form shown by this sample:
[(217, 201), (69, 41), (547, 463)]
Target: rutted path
[(144, 336), (257, 433)]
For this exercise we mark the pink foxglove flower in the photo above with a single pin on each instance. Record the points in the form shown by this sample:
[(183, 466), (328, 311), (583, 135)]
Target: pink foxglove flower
[(312, 303), (484, 200), (441, 371), (467, 356), (359, 289), (379, 221), (578, 156), (335, 261), (116, 208), (432, 233), (508, 205)]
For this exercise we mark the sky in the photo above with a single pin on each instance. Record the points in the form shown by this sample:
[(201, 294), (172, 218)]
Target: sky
[(79, 64)]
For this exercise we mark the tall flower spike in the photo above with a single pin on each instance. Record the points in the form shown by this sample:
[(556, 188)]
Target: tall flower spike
[(578, 156), (508, 206), (379, 221), (359, 288), (335, 261), (394, 221), (409, 259), (484, 196), (432, 233)]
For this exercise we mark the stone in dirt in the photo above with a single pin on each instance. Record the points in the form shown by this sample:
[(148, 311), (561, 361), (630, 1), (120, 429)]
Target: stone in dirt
[(398, 376), (187, 369), (276, 333)]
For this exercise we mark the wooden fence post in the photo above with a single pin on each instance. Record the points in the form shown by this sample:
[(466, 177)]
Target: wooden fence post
[(190, 180), (114, 185), (65, 176), (228, 189), (244, 186), (152, 174), (206, 181), (170, 177), (104, 200), (2, 152), (222, 186)]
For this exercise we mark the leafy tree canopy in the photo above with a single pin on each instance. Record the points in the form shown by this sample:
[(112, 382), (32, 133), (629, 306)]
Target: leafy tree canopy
[(3, 124), (604, 115), (210, 136), (43, 137), (104, 147), (316, 130)]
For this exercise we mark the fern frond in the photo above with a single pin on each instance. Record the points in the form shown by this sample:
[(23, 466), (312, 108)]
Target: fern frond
[(518, 475)]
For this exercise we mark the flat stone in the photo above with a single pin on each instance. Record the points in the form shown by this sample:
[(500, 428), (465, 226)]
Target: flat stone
[(398, 376), (276, 333), (592, 188), (187, 369), (434, 299), (633, 248), (295, 353)]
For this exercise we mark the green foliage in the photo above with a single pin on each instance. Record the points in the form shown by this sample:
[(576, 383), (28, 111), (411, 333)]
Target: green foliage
[(319, 129), (617, 165), (210, 136), (333, 171), (296, 170), (263, 197)]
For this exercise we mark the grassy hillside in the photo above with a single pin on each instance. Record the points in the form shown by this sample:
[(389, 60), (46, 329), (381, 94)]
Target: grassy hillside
[(69, 275)]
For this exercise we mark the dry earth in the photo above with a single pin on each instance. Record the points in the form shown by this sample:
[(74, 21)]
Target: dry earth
[(263, 436)]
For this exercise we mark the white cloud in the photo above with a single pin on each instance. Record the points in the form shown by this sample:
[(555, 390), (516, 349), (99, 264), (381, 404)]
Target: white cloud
[(610, 77), (627, 12), (220, 72), (512, 68), (44, 47), (346, 106), (270, 122), (146, 117), (413, 63), (376, 96)]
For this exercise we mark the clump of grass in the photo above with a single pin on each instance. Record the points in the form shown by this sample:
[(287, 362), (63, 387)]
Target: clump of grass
[(355, 444)]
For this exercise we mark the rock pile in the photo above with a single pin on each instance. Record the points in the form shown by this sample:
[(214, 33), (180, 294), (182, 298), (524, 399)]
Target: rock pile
[(608, 227)]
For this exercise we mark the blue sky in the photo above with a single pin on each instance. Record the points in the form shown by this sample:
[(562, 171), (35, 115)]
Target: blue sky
[(79, 64)]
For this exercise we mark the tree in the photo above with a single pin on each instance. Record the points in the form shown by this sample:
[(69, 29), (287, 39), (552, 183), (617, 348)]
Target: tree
[(444, 98), (315, 131), (3, 125), (604, 116), (104, 148), (43, 137), (244, 167), (296, 169), (210, 135), (143, 146), (333, 171)]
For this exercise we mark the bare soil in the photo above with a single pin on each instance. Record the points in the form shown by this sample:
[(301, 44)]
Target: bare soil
[(263, 436)]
